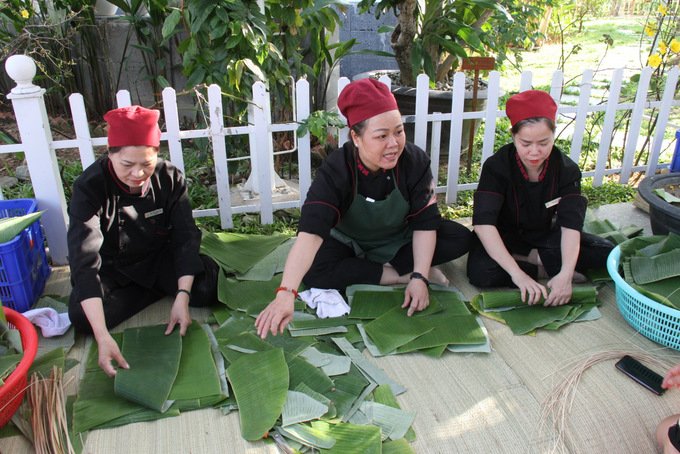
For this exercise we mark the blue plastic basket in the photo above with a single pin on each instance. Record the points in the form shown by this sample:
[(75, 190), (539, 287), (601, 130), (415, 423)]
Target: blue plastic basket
[(653, 320), (23, 261)]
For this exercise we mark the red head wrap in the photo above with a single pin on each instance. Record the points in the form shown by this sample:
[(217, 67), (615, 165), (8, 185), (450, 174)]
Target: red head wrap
[(365, 98), (530, 104), (134, 125)]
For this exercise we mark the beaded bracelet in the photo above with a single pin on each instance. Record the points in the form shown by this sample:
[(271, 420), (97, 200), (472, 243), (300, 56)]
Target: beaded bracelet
[(291, 290), (183, 291)]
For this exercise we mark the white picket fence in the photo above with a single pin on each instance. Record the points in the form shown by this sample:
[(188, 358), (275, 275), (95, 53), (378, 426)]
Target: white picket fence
[(39, 148)]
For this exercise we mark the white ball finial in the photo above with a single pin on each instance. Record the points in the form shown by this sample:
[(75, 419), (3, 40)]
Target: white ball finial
[(22, 69)]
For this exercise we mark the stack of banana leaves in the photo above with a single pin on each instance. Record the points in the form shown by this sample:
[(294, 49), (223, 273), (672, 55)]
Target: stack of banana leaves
[(651, 265), (307, 392), (606, 229), (11, 351), (507, 307)]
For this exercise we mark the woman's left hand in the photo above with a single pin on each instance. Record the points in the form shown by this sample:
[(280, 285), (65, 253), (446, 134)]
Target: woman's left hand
[(179, 314), (560, 290), (416, 296)]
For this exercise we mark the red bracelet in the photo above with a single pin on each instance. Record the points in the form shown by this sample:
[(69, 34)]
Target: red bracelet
[(291, 290)]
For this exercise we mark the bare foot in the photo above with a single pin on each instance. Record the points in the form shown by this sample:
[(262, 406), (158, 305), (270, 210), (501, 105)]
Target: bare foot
[(438, 277), (579, 278)]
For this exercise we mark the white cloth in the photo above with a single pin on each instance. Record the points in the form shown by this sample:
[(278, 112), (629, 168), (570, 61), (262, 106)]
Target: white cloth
[(327, 302), (51, 322)]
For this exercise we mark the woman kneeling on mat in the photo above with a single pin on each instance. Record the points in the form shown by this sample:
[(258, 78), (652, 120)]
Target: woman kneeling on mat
[(132, 238), (371, 215), (529, 211)]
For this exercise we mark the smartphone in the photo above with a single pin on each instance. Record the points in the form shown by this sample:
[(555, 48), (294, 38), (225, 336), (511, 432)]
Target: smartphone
[(641, 374)]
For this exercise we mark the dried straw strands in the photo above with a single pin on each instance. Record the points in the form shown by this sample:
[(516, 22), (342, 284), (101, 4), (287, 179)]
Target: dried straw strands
[(558, 403), (46, 403)]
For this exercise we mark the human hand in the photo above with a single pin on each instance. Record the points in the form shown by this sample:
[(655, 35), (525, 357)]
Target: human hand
[(416, 296), (179, 314), (109, 351), (530, 290), (277, 315), (672, 379), (560, 290)]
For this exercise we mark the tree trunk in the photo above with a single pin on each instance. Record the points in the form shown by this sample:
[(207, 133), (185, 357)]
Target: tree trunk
[(402, 40)]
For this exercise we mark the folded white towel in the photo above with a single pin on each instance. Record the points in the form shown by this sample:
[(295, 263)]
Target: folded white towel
[(51, 322), (327, 302)]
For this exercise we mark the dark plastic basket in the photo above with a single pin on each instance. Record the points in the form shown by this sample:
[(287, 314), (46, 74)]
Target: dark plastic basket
[(23, 261)]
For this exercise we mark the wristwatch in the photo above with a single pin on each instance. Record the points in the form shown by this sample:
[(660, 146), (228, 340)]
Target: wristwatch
[(420, 276)]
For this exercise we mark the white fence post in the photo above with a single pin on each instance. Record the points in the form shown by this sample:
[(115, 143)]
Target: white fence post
[(36, 137), (261, 151)]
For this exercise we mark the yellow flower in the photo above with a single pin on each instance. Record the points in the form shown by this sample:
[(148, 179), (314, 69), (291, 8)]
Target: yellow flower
[(654, 60), (663, 10), (675, 46), (24, 14), (663, 48), (649, 30)]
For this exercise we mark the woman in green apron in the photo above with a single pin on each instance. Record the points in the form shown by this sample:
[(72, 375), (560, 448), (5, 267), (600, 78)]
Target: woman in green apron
[(370, 216)]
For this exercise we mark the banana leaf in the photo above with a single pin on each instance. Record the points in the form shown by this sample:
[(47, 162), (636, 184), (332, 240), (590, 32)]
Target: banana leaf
[(371, 305), (260, 384), (666, 196), (8, 364), (330, 364), (400, 446), (633, 245), (434, 352), (524, 320), (301, 371), (197, 384), (354, 439), (311, 332), (383, 395), (372, 348), (242, 345), (10, 227), (300, 407), (98, 406), (308, 435), (219, 360), (510, 299), (154, 360), (247, 296), (370, 371), (393, 422), (665, 291), (354, 409), (235, 325), (450, 302), (273, 263), (292, 345), (323, 322), (662, 266), (395, 329), (463, 329), (239, 251)]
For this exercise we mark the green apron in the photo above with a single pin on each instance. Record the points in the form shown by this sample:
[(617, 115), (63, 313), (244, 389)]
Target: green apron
[(375, 229)]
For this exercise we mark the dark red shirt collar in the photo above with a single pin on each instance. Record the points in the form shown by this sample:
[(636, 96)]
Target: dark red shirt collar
[(523, 169)]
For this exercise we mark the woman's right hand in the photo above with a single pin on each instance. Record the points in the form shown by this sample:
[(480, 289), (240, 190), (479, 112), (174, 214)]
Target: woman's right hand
[(277, 315), (672, 379), (108, 352), (530, 290)]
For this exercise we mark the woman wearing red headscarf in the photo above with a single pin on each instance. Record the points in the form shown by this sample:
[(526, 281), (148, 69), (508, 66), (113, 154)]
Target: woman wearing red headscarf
[(371, 215), (132, 238), (529, 211)]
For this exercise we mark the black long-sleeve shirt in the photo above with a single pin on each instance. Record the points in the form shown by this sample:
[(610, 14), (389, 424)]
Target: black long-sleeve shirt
[(123, 235), (507, 199), (332, 190)]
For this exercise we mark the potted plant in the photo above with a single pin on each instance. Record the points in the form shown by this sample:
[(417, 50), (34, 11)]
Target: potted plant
[(660, 191), (434, 36)]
